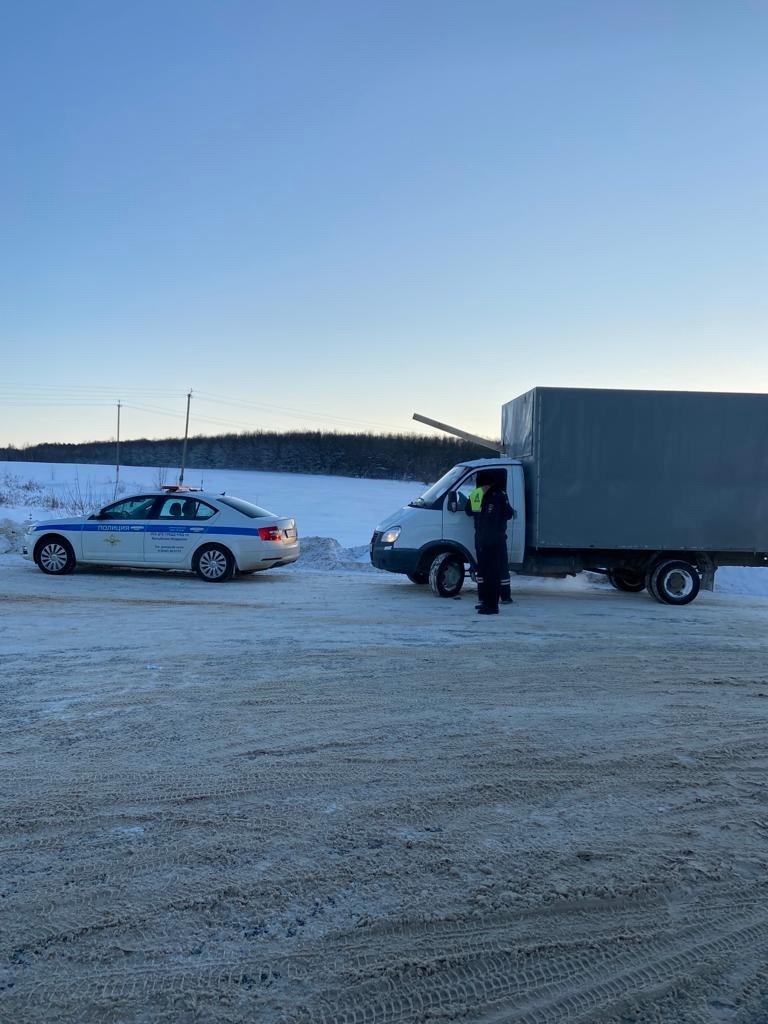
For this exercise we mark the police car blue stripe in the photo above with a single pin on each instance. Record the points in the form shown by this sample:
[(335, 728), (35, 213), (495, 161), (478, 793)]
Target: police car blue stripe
[(144, 528)]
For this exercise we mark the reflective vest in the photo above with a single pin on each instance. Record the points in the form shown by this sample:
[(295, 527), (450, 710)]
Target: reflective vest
[(476, 499)]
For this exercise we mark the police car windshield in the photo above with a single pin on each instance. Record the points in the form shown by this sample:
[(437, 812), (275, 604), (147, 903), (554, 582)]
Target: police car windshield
[(437, 490), (252, 511)]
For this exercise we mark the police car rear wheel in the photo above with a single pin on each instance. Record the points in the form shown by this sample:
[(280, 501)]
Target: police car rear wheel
[(55, 556), (214, 564)]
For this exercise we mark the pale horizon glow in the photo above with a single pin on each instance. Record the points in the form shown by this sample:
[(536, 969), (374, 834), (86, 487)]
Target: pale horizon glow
[(331, 217)]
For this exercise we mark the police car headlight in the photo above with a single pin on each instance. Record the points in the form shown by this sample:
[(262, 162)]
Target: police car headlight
[(390, 536)]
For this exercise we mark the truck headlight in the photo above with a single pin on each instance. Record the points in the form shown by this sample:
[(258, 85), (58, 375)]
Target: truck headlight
[(390, 536)]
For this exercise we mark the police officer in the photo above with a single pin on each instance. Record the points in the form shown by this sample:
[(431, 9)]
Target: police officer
[(489, 507)]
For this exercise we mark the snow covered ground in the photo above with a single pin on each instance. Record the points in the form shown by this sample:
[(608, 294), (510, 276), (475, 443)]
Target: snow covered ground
[(321, 794)]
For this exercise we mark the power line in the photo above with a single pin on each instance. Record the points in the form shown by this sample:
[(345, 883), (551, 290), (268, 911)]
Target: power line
[(286, 410), (36, 395)]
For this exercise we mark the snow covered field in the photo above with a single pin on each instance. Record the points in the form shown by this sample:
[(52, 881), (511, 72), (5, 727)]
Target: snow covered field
[(321, 794)]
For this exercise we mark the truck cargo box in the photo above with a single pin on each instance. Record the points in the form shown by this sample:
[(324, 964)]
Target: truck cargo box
[(666, 470)]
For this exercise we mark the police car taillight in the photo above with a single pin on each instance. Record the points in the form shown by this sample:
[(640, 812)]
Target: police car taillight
[(270, 533)]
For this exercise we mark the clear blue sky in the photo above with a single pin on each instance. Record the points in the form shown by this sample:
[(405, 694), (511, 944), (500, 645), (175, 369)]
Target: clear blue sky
[(332, 215)]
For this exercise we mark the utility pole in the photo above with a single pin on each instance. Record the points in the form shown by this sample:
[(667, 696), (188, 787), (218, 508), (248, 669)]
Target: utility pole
[(117, 449), (186, 435)]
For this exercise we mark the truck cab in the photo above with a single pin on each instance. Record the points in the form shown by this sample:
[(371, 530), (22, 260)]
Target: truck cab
[(432, 539)]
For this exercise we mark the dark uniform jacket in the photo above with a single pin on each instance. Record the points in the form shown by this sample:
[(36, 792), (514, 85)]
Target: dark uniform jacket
[(491, 520)]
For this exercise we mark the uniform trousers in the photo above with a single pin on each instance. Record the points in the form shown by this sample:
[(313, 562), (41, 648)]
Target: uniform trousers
[(491, 569)]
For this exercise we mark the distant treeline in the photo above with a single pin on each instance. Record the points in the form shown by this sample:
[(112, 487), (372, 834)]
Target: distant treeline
[(380, 456)]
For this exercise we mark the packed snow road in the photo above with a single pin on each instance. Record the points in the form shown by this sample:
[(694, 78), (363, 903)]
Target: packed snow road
[(331, 797)]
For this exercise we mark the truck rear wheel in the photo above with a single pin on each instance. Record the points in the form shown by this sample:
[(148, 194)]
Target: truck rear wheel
[(674, 582), (446, 574), (628, 580)]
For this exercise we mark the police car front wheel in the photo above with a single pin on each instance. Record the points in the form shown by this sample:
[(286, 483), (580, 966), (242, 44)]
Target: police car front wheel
[(214, 564), (55, 556)]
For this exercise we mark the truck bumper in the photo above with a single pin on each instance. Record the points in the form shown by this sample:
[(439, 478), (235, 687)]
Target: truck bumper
[(393, 559)]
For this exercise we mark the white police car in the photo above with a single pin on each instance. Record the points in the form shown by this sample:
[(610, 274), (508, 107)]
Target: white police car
[(214, 535)]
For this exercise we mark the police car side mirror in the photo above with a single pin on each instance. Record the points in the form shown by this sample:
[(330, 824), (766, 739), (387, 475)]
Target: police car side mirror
[(453, 501)]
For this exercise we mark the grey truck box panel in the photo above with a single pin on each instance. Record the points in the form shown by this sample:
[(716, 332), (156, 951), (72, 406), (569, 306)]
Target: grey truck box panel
[(662, 470)]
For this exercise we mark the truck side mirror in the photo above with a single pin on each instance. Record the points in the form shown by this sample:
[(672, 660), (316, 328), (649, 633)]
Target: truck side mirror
[(453, 501)]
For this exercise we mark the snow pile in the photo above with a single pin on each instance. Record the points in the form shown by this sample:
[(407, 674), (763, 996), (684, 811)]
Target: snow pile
[(326, 554), (736, 579), (11, 535)]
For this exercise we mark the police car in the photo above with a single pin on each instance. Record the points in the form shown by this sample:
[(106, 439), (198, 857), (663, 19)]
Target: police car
[(213, 535)]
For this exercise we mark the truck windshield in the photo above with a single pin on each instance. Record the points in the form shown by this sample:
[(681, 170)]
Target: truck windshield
[(437, 490)]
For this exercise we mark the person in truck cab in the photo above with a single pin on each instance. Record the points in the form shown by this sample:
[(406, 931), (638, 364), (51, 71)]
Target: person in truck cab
[(489, 506)]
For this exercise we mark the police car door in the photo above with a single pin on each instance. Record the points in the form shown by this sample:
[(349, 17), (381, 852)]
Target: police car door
[(457, 525), (177, 530), (116, 533)]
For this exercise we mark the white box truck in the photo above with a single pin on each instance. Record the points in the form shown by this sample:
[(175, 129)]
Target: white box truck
[(656, 489)]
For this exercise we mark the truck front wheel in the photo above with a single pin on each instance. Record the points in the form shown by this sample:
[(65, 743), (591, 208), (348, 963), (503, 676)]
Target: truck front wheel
[(674, 582), (446, 574)]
